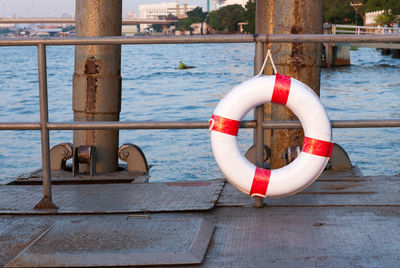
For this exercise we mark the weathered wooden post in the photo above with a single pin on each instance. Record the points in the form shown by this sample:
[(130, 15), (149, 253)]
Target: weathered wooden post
[(299, 60), (97, 79)]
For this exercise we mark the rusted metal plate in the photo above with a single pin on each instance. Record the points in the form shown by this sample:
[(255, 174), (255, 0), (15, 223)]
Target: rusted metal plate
[(118, 243), (114, 198), (356, 191)]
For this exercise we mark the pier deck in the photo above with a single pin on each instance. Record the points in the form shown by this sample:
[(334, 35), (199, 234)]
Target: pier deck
[(341, 220)]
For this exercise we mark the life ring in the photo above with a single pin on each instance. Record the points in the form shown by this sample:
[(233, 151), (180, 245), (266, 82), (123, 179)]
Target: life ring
[(304, 103)]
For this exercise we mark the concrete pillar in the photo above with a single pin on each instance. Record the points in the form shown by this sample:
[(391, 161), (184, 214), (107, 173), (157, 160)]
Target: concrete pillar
[(97, 79), (299, 60)]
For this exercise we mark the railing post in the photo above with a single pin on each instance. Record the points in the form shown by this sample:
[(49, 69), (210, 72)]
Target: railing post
[(258, 134), (46, 202), (262, 27)]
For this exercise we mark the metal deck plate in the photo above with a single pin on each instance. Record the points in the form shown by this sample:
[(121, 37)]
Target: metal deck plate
[(118, 243), (114, 198), (347, 191)]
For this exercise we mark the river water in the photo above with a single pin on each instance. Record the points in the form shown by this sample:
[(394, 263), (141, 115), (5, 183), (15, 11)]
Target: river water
[(152, 89)]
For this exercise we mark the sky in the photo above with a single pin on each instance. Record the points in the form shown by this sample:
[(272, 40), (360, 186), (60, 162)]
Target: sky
[(56, 8)]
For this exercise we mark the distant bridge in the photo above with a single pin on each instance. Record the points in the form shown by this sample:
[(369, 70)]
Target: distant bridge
[(72, 21)]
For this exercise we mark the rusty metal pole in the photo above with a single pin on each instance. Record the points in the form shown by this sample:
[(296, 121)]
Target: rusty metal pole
[(299, 60), (97, 79)]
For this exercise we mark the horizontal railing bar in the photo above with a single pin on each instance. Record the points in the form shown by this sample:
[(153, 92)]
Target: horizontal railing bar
[(102, 125), (363, 27), (375, 123), (365, 123), (72, 21), (233, 38), (139, 125), (19, 126)]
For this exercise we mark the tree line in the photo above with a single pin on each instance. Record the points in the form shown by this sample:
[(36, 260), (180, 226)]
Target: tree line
[(223, 20), (226, 19), (341, 12)]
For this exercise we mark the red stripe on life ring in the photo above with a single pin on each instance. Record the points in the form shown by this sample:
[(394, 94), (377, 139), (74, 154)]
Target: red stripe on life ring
[(260, 182), (224, 125), (317, 147), (281, 89)]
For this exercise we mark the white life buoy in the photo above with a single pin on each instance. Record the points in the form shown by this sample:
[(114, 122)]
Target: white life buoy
[(305, 104)]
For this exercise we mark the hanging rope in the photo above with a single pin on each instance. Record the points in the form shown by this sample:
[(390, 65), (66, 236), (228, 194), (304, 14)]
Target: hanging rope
[(268, 56)]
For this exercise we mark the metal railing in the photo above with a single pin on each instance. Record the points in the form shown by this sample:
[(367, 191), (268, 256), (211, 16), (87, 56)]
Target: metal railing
[(134, 21), (45, 126), (199, 39), (353, 29)]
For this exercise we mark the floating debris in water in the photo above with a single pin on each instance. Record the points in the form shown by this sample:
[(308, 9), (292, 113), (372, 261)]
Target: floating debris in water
[(183, 66)]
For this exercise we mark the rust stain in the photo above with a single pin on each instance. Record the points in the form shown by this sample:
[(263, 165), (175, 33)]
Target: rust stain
[(297, 56), (91, 72), (296, 62), (341, 62)]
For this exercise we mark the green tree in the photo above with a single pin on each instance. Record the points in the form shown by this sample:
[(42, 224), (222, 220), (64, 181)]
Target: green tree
[(214, 21), (250, 17), (187, 24), (194, 16), (374, 5), (226, 18), (157, 28), (197, 15), (340, 12)]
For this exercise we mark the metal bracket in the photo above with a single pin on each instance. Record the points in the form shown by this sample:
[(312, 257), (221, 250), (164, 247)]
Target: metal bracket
[(251, 155), (339, 160), (84, 154), (291, 153), (45, 203), (134, 156), (59, 155)]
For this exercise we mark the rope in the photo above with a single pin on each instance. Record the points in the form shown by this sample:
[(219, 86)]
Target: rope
[(268, 56)]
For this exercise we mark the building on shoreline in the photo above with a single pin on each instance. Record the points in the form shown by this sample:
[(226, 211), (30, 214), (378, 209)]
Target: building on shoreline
[(155, 11), (223, 3), (370, 17)]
